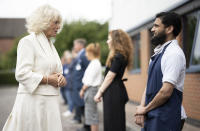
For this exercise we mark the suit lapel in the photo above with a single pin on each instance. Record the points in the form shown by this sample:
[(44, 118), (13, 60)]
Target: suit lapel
[(44, 44), (49, 51), (55, 53)]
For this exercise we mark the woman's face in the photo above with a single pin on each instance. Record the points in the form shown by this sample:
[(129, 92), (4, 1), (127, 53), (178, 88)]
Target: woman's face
[(109, 41), (88, 55), (53, 29)]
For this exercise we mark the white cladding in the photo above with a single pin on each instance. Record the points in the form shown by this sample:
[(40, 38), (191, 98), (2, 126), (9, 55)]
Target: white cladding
[(128, 14)]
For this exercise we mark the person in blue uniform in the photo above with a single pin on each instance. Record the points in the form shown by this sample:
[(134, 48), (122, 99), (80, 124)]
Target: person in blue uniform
[(162, 98), (67, 72), (113, 89), (78, 72), (63, 89)]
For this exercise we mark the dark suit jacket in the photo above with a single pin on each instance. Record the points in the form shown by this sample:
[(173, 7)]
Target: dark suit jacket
[(78, 72)]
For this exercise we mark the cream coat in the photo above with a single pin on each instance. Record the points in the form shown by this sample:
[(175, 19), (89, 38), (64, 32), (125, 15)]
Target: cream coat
[(35, 59), (36, 106)]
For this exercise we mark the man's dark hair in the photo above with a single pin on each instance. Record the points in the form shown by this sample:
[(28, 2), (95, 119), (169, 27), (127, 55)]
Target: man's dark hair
[(171, 19)]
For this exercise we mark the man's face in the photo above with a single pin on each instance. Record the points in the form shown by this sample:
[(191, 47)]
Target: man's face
[(158, 30), (77, 47)]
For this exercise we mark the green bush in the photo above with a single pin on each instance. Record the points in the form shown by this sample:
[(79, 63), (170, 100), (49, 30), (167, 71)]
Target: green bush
[(92, 31), (7, 78), (8, 61)]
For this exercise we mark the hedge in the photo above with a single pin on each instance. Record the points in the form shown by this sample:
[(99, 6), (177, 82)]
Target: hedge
[(7, 78)]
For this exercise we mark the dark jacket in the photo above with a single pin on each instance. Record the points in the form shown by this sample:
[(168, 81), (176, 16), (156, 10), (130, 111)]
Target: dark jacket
[(79, 70), (81, 64)]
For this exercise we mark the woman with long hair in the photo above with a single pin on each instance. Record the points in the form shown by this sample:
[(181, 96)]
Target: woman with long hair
[(113, 89)]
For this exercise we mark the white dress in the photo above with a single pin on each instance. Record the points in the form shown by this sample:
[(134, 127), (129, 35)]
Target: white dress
[(36, 106)]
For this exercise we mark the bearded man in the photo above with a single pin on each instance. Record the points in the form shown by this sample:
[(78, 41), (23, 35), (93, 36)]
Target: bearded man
[(160, 108)]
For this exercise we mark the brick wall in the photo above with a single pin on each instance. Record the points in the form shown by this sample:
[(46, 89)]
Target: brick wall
[(6, 44), (191, 95)]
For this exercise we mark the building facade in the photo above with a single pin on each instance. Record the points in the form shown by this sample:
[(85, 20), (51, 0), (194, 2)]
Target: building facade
[(10, 28), (136, 17)]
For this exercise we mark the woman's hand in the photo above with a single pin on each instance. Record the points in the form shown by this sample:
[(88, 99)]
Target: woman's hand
[(61, 80), (53, 79), (82, 93), (107, 81), (98, 97)]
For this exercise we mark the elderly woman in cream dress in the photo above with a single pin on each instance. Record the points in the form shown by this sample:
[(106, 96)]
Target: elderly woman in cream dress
[(39, 73)]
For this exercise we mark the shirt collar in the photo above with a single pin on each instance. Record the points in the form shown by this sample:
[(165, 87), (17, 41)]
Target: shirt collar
[(82, 50), (159, 48)]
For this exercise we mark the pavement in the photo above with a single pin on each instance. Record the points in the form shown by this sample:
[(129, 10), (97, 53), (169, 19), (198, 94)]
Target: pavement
[(7, 98)]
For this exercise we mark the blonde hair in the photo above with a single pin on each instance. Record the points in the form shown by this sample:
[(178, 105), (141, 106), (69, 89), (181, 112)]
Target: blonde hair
[(121, 43), (41, 18), (94, 49)]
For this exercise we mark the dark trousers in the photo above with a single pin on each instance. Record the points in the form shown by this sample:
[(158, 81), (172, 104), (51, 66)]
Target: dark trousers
[(79, 111), (62, 90), (68, 94)]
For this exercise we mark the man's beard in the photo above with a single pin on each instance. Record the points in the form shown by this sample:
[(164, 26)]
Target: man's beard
[(158, 39)]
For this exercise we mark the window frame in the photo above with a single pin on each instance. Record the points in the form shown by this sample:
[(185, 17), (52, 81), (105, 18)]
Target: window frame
[(136, 70), (194, 68)]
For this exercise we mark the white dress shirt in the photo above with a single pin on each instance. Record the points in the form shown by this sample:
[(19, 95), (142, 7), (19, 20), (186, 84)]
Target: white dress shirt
[(173, 64), (183, 114), (93, 74)]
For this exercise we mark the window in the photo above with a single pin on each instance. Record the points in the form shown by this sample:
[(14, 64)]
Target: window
[(136, 54), (191, 40), (195, 57)]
